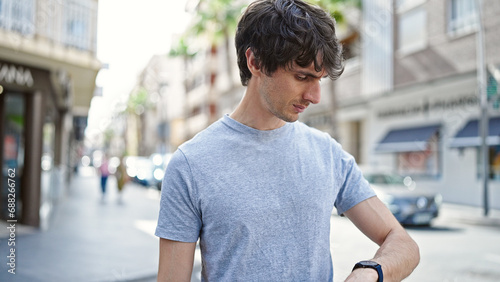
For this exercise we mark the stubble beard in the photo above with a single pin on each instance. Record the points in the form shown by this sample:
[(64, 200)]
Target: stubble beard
[(284, 116)]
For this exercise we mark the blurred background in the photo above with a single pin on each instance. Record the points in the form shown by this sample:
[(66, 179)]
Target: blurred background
[(86, 84)]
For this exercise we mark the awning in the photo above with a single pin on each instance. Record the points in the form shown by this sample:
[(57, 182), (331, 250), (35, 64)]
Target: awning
[(468, 136), (407, 140)]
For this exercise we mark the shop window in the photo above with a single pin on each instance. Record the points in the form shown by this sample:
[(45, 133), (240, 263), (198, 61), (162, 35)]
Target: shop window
[(425, 163), (462, 17), (13, 152), (412, 30), (494, 162)]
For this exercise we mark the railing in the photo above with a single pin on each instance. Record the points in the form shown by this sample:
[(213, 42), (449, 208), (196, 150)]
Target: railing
[(72, 23), (18, 16)]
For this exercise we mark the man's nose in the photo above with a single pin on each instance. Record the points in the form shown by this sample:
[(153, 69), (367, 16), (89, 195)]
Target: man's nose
[(313, 93)]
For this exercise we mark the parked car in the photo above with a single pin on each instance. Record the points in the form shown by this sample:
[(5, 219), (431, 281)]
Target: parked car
[(147, 171), (411, 205), (140, 170), (160, 163)]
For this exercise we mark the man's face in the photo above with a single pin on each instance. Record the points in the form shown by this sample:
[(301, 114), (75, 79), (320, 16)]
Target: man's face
[(288, 92)]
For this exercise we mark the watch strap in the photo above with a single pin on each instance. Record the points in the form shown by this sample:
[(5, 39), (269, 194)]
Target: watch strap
[(373, 265)]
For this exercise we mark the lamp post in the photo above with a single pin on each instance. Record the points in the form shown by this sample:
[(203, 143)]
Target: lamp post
[(481, 86)]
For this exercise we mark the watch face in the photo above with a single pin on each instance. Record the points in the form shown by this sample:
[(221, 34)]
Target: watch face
[(368, 263)]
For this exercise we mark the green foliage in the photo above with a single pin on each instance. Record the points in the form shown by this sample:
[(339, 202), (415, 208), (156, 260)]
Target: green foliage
[(181, 49), (108, 135), (18, 120), (336, 7), (216, 19), (138, 102)]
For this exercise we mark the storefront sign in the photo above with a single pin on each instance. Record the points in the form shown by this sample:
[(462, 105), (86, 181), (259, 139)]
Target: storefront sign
[(426, 107), (16, 75)]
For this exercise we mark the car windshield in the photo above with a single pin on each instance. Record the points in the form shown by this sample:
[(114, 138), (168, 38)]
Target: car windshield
[(387, 179)]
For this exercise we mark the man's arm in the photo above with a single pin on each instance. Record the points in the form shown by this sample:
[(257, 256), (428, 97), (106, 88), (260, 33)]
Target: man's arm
[(398, 253), (176, 260)]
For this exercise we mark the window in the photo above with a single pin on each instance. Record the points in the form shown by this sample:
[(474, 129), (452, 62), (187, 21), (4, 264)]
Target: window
[(424, 163), (78, 29), (13, 115), (412, 31), (493, 163), (462, 17), (18, 16)]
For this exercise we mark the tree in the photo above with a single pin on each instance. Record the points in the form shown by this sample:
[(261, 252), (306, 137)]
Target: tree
[(337, 8), (216, 20), (138, 102)]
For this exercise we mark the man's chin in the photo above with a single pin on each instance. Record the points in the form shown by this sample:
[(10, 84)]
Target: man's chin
[(293, 118)]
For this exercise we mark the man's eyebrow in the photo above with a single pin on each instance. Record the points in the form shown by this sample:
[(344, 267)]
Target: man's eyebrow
[(311, 74)]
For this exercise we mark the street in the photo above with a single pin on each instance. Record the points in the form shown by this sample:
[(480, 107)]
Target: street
[(451, 252)]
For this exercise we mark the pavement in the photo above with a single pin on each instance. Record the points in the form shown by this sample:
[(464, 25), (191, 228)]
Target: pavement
[(91, 240), (463, 214)]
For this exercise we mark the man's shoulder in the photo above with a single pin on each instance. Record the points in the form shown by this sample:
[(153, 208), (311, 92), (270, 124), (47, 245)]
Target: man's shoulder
[(312, 132), (317, 138), (205, 139)]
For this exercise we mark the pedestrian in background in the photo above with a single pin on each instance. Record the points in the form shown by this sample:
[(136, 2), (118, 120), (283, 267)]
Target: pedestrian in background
[(104, 171), (257, 187), (121, 179)]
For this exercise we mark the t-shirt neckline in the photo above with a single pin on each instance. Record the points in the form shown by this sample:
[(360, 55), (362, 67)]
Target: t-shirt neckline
[(236, 125)]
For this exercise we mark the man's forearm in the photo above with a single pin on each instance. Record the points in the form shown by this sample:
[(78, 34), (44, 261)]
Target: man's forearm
[(398, 255)]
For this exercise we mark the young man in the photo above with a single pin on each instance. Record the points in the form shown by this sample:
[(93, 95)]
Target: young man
[(257, 187)]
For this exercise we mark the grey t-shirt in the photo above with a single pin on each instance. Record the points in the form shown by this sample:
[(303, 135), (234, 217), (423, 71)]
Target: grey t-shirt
[(259, 201)]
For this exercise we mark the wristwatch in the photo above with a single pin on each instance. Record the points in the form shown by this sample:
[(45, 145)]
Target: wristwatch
[(371, 264)]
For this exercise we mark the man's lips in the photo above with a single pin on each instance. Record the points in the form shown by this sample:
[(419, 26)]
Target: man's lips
[(299, 108)]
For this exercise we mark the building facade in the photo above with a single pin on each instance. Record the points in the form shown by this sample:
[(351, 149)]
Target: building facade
[(407, 100), (157, 125), (417, 107), (47, 78)]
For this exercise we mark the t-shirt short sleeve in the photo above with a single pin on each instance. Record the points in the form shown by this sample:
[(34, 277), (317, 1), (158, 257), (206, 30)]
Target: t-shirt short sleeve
[(179, 218), (354, 187)]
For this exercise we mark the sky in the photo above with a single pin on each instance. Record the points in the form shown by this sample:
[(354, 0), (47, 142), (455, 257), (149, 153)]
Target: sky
[(129, 33)]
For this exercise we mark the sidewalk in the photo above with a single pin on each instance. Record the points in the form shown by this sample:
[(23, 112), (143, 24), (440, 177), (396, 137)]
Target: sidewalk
[(468, 215), (88, 240)]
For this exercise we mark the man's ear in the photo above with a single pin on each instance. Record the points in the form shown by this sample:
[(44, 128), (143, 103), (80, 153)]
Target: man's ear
[(252, 63)]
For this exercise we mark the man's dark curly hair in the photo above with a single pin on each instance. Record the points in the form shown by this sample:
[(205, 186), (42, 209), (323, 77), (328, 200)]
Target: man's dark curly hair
[(281, 32)]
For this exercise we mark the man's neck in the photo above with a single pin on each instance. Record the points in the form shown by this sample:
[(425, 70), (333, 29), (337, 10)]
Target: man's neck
[(250, 113)]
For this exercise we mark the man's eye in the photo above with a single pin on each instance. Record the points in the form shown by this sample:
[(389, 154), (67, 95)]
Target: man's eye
[(301, 77)]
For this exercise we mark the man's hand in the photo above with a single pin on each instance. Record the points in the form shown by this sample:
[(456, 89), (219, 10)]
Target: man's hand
[(363, 275)]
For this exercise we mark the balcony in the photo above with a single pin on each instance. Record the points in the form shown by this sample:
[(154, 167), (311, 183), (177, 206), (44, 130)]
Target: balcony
[(57, 36)]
